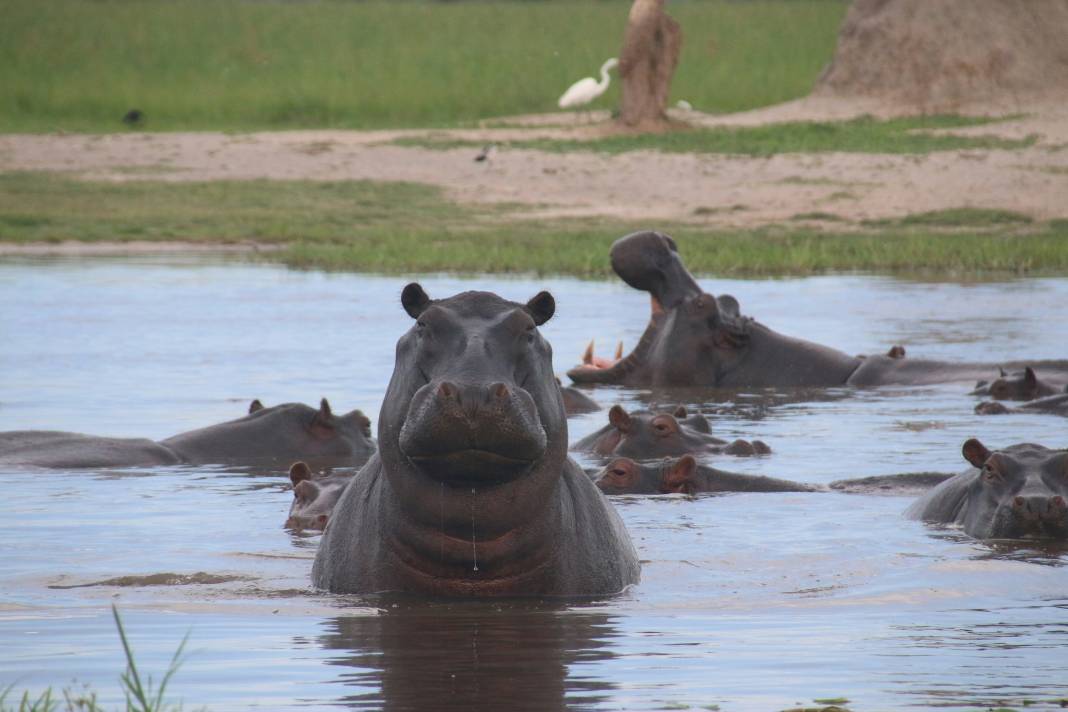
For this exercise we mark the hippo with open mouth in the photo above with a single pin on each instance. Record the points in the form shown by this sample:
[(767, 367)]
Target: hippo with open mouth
[(274, 435), (697, 339), (1012, 493), (472, 492)]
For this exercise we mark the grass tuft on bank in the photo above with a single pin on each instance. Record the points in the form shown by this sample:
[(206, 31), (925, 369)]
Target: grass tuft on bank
[(403, 227), (201, 64), (862, 135)]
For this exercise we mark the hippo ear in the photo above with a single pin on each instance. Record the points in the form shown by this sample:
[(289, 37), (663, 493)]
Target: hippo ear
[(679, 476), (975, 452), (415, 300), (1030, 379), (619, 418), (324, 418), (299, 472), (541, 307), (980, 384), (1001, 372), (680, 413), (254, 406)]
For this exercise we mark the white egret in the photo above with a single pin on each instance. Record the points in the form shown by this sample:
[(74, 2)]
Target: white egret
[(586, 90)]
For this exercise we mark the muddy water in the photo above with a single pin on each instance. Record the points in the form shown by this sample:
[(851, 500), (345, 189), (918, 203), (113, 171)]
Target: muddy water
[(748, 602)]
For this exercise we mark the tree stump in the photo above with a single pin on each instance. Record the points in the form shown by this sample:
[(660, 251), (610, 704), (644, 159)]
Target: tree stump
[(647, 63)]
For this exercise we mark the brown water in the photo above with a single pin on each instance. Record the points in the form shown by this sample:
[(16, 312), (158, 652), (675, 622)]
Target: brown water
[(748, 602)]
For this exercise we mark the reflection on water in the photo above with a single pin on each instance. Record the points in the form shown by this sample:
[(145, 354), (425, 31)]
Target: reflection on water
[(749, 601), (475, 656)]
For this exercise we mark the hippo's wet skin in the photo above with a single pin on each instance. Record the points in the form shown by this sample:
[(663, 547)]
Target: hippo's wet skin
[(696, 339), (472, 492), (1054, 405), (282, 433), (1016, 492), (576, 402), (314, 497), (1022, 385), (646, 435), (684, 475)]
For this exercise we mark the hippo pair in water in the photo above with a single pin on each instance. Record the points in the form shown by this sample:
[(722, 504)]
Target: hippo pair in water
[(697, 339), (472, 492), (1042, 396), (646, 435), (273, 435)]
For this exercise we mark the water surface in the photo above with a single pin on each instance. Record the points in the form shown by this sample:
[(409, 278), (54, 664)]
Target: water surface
[(749, 602)]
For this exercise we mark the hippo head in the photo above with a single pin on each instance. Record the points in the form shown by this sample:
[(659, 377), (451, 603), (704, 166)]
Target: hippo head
[(625, 476), (1020, 385), (692, 336), (645, 435), (1020, 492), (312, 502), (473, 401)]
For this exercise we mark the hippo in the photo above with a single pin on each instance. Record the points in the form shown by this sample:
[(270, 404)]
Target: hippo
[(647, 435), (1055, 405), (1012, 493), (281, 433), (697, 339), (313, 497), (471, 492), (1022, 385), (576, 402), (684, 475)]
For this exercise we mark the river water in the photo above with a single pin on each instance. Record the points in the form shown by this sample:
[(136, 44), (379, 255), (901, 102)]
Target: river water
[(747, 602)]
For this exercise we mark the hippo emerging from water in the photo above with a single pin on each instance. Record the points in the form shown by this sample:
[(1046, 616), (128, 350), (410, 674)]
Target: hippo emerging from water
[(282, 433), (645, 435), (1054, 405), (472, 492), (314, 497), (683, 475), (1022, 385), (696, 339), (1018, 491)]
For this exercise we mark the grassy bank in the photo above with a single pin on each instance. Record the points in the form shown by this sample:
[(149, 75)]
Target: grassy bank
[(401, 227), (863, 135), (203, 64)]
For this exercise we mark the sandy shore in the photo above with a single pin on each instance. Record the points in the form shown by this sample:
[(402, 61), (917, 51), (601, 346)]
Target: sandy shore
[(715, 190)]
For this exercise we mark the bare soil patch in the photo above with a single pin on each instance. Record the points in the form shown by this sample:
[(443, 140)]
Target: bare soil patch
[(644, 187)]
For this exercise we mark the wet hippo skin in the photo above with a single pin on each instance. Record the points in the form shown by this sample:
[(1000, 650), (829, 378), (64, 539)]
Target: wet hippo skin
[(1022, 385), (1015, 492), (472, 492), (646, 435), (282, 433), (682, 475), (314, 497), (697, 339)]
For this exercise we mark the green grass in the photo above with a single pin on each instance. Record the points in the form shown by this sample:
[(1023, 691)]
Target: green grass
[(142, 695), (209, 64), (957, 217), (863, 135), (402, 227)]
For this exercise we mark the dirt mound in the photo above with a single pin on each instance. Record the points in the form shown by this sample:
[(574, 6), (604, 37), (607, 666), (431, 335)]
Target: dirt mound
[(950, 55)]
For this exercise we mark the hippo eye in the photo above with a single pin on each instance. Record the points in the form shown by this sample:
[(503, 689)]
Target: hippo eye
[(990, 474), (616, 472), (530, 334)]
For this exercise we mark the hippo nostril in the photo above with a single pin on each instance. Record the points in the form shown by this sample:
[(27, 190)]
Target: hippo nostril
[(1019, 502), (447, 390), (1057, 501), (499, 391)]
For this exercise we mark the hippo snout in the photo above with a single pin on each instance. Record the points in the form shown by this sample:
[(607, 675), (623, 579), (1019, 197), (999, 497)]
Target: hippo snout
[(473, 431)]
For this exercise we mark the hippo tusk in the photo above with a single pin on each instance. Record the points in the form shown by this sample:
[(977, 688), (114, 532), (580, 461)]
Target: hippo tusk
[(587, 356)]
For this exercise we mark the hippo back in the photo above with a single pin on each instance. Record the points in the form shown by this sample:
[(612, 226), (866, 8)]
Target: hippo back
[(54, 449)]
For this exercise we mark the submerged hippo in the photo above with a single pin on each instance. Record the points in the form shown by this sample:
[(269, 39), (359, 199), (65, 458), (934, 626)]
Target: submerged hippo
[(645, 435), (282, 433), (576, 402), (1022, 385), (696, 339), (314, 498), (684, 475), (1015, 492), (472, 492), (1055, 405)]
